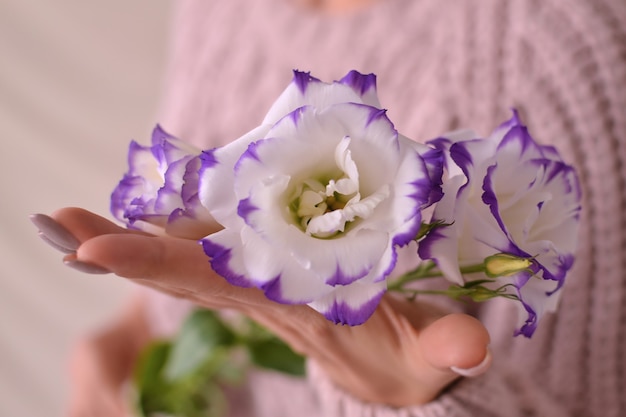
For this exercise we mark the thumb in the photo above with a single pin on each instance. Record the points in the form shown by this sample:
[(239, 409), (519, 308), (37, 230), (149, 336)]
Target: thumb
[(456, 344), (450, 347)]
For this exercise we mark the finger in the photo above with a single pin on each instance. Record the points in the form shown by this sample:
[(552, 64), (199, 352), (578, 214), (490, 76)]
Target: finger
[(432, 354), (456, 342), (85, 225), (453, 346), (179, 265)]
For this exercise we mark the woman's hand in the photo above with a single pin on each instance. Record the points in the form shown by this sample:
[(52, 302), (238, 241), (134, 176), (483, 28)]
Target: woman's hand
[(405, 354)]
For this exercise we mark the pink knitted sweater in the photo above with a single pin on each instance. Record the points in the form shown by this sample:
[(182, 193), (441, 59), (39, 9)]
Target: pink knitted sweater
[(444, 65)]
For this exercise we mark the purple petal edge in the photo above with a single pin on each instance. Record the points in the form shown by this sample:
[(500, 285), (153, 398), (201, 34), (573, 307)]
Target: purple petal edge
[(434, 162), (462, 157), (159, 135), (251, 153), (341, 278), (530, 325), (376, 114), (220, 260), (208, 158), (273, 291), (342, 313), (425, 247), (302, 80), (245, 208), (189, 191), (360, 83), (515, 120)]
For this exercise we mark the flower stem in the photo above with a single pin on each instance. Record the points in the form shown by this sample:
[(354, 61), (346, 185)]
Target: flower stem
[(426, 270), (474, 290)]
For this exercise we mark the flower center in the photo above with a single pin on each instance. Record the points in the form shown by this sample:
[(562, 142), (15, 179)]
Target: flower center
[(324, 204), (319, 208), (320, 205)]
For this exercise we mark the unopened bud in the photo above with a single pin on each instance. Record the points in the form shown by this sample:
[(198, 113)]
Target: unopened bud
[(504, 264), (481, 293)]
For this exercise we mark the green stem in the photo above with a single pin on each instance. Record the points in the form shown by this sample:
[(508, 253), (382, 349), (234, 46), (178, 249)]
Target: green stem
[(423, 271), (472, 269), (426, 270)]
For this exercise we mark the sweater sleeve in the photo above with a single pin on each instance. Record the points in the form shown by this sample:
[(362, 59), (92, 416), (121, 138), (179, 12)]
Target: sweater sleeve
[(497, 393)]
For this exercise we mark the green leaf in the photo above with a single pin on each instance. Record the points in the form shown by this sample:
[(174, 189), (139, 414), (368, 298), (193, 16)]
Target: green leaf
[(150, 363), (200, 400), (183, 377), (149, 383), (276, 355), (200, 336)]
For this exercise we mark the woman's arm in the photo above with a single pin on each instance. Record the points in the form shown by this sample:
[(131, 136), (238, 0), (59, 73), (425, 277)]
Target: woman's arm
[(102, 362)]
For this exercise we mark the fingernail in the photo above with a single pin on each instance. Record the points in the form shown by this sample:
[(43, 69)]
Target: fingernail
[(54, 245), (54, 233), (85, 267), (476, 370)]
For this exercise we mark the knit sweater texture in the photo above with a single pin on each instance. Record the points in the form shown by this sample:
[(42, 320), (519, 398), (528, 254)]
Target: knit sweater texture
[(444, 65)]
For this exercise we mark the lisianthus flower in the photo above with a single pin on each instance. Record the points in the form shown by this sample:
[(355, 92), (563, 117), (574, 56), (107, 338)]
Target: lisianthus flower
[(159, 193), (513, 205), (315, 201)]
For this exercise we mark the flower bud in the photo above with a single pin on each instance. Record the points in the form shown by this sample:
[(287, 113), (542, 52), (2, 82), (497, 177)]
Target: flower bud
[(481, 293), (504, 264)]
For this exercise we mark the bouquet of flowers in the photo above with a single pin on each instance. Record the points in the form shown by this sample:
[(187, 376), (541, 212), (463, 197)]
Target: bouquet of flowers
[(313, 205)]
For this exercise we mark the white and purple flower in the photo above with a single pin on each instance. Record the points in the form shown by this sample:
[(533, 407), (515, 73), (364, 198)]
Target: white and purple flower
[(159, 193), (508, 196), (316, 200)]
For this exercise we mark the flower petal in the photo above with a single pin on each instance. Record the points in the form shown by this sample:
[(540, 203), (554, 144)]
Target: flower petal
[(224, 248), (364, 85), (306, 90), (352, 304), (216, 173)]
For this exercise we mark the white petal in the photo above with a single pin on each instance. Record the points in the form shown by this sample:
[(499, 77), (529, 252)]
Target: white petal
[(310, 204), (261, 260), (296, 285), (403, 202), (343, 159), (216, 183), (327, 225), (342, 259), (226, 252), (442, 246), (302, 151), (365, 207), (352, 304), (481, 227), (317, 94), (142, 163)]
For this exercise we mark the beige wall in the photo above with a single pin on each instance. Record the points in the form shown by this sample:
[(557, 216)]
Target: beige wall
[(78, 80)]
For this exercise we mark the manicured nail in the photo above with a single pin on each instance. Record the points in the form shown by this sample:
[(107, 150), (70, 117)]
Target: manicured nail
[(55, 234), (476, 370), (85, 267), (54, 245)]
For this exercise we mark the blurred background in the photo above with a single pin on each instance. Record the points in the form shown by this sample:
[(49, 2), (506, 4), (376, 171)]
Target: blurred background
[(78, 80)]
